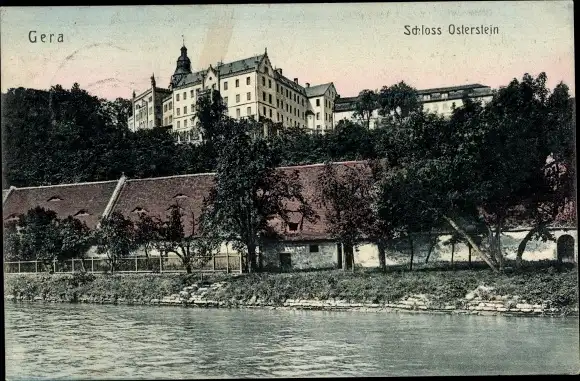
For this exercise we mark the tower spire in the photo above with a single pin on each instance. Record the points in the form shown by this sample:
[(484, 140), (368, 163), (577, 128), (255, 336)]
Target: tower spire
[(183, 39)]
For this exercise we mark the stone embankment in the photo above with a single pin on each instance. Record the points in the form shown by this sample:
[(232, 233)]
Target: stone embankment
[(481, 301)]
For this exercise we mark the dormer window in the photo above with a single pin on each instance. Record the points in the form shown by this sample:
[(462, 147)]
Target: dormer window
[(292, 226), (180, 196), (82, 213), (12, 218), (54, 198), (139, 210)]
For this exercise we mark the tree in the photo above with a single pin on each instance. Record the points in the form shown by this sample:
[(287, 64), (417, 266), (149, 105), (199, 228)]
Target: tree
[(11, 244), (366, 103), (76, 239), (116, 239), (193, 248), (211, 112), (249, 192), (148, 235), (40, 236), (345, 194), (399, 100)]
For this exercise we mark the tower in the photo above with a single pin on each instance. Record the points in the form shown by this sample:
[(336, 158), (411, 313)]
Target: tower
[(183, 67)]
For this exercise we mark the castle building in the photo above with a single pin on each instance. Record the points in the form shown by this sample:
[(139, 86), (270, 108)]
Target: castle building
[(437, 100), (250, 87), (253, 87)]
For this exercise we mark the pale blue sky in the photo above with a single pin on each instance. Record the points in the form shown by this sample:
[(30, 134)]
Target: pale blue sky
[(112, 50)]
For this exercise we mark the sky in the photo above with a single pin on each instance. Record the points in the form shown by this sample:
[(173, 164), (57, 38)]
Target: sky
[(111, 51)]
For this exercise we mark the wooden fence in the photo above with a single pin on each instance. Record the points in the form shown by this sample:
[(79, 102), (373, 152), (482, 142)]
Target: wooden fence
[(229, 263)]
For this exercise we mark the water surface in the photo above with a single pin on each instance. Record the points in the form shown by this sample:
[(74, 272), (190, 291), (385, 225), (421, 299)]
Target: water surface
[(96, 341)]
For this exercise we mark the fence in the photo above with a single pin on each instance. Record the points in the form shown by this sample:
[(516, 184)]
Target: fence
[(218, 263)]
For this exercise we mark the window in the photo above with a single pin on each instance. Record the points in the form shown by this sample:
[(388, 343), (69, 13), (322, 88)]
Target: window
[(150, 99), (314, 248), (264, 96), (184, 95), (292, 226), (266, 69), (184, 110), (264, 111), (170, 118), (238, 82), (263, 81), (151, 110), (191, 93), (237, 98), (185, 123), (225, 85), (287, 93), (249, 96), (171, 105), (278, 116), (325, 116), (317, 116), (270, 83), (177, 97), (249, 111), (285, 261), (277, 88), (270, 113), (318, 102), (226, 101), (178, 109), (238, 113), (270, 98), (294, 97), (178, 124), (165, 121), (192, 107), (247, 80), (277, 102), (318, 126), (165, 107)]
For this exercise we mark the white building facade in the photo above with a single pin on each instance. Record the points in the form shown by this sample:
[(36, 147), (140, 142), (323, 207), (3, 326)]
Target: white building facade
[(437, 100), (250, 87)]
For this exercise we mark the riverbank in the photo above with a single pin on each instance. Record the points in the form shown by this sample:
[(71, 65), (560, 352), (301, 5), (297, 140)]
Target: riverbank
[(541, 292)]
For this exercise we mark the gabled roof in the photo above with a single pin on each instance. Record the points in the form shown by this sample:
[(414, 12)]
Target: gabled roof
[(318, 90), (156, 195), (225, 70), (66, 200), (291, 84)]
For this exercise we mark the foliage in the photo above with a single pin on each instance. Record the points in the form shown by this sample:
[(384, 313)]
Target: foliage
[(193, 248), (399, 100), (249, 192), (116, 238), (366, 103)]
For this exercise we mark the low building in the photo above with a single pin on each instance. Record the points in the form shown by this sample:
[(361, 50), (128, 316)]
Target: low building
[(437, 100), (304, 244)]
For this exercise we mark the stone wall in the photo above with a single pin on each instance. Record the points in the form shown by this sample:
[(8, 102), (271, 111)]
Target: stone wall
[(303, 255)]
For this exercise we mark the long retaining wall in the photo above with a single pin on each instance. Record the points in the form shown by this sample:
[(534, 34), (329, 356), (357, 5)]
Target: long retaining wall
[(480, 301)]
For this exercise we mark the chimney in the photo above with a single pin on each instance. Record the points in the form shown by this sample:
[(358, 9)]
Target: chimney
[(307, 84), (295, 80)]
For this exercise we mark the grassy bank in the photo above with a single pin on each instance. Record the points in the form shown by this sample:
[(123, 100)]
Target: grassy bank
[(556, 288)]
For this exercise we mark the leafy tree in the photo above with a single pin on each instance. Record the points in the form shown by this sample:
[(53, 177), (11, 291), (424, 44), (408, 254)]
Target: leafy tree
[(11, 244), (210, 114), (366, 103), (399, 100), (76, 239), (148, 235), (350, 141), (193, 248), (345, 194), (40, 236), (116, 239), (249, 192)]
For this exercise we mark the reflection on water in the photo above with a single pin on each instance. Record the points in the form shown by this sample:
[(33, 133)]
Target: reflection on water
[(95, 341)]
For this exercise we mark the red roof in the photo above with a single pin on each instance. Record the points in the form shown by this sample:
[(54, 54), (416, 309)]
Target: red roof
[(84, 201), (154, 196)]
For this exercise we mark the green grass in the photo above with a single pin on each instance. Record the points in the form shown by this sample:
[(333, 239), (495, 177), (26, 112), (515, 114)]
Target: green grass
[(535, 284)]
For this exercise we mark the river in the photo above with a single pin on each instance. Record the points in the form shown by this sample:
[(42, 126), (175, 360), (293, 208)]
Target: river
[(52, 341)]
